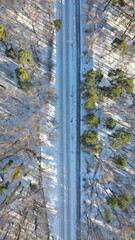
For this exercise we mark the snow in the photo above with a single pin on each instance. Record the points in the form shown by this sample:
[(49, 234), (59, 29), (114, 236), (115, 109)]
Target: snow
[(98, 30)]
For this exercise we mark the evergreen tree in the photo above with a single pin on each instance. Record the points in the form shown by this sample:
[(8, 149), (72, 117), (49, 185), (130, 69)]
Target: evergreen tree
[(112, 201), (110, 123), (107, 215), (121, 137), (11, 53), (121, 203), (89, 138), (25, 57), (119, 83), (120, 162), (91, 120), (127, 198), (23, 77), (121, 45), (57, 24), (3, 33)]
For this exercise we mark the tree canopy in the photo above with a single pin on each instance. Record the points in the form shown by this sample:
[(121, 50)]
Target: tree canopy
[(3, 33), (121, 45), (121, 137)]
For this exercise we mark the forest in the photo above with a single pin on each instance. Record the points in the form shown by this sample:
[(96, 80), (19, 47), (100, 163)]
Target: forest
[(107, 102)]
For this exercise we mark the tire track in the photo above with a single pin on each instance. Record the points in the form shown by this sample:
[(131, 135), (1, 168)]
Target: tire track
[(78, 67), (59, 77)]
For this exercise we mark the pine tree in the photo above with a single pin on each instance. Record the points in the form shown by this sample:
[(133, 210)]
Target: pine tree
[(120, 162)]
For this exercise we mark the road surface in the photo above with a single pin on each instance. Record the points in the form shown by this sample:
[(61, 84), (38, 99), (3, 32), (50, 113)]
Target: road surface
[(68, 112)]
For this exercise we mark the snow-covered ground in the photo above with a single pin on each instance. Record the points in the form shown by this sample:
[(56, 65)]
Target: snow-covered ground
[(98, 30)]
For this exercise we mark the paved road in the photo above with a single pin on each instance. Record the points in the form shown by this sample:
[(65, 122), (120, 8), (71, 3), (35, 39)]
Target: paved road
[(68, 77)]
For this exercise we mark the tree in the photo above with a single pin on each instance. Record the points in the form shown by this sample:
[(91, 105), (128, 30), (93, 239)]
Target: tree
[(16, 173), (91, 120), (4, 187), (7, 165), (129, 85), (97, 149), (98, 75), (90, 90), (121, 137), (119, 83), (115, 92), (89, 138), (119, 73), (24, 80), (90, 105), (3, 33), (121, 203), (119, 2), (57, 24), (118, 200), (120, 162), (25, 57), (121, 45), (11, 53), (112, 201), (110, 123), (127, 198), (107, 215)]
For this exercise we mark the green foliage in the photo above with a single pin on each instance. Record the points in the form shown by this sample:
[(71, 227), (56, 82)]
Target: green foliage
[(98, 75), (90, 91), (27, 173), (16, 173), (107, 215), (127, 198), (25, 57), (57, 24), (89, 138), (97, 149), (3, 33), (115, 92), (110, 123), (112, 201), (4, 187), (117, 72), (120, 162), (11, 53), (121, 203), (23, 77), (90, 105), (101, 95), (7, 165), (92, 77), (129, 85), (119, 2), (119, 83), (118, 200), (121, 45), (91, 120), (121, 138)]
